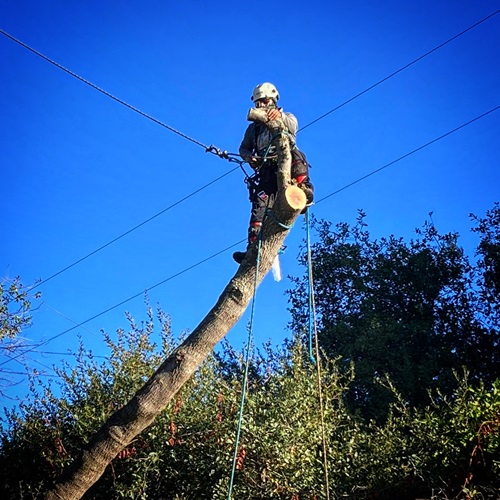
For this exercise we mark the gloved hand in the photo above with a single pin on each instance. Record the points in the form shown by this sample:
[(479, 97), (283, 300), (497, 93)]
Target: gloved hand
[(274, 114), (254, 162)]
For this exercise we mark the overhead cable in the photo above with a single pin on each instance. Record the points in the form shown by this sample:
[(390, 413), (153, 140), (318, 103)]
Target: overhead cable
[(74, 354), (242, 241), (373, 172), (399, 70), (34, 372), (45, 342), (102, 247), (208, 149), (16, 359), (212, 149)]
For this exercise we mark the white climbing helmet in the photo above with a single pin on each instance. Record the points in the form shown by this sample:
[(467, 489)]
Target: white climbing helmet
[(265, 91)]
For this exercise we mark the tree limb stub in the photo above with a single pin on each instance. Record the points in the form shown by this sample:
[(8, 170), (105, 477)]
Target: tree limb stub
[(124, 425)]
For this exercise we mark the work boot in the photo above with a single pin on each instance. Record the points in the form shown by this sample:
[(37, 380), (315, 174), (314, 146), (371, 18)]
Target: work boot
[(239, 256), (308, 189), (253, 232)]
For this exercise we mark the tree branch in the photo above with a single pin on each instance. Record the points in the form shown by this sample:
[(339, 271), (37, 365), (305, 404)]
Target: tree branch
[(124, 425)]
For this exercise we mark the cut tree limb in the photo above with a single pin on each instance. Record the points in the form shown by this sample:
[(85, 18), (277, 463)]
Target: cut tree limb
[(295, 197), (140, 412)]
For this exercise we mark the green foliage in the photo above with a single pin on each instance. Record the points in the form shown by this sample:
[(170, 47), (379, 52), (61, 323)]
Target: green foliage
[(15, 316), (450, 446), (15, 306), (488, 277), (411, 310), (52, 429), (280, 453)]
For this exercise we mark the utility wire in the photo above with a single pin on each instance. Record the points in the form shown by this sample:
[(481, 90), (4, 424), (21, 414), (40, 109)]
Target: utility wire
[(221, 154), (66, 317), (45, 342), (178, 202), (102, 91), (211, 148), (38, 374), (373, 172), (86, 353), (400, 70), (15, 358), (224, 154)]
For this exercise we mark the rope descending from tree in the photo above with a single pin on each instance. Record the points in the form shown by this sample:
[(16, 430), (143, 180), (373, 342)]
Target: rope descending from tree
[(312, 312), (245, 375), (314, 359), (249, 342), (313, 334)]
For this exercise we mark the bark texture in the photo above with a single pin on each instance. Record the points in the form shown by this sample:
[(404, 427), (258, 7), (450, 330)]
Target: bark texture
[(124, 425)]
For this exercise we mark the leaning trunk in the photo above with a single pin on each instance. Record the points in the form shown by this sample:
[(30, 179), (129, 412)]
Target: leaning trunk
[(123, 426)]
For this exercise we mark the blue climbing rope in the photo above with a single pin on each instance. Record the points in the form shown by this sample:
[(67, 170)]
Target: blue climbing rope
[(284, 226), (312, 319), (249, 343), (313, 335), (245, 375)]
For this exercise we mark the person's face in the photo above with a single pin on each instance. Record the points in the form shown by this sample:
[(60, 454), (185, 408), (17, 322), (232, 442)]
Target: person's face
[(263, 103)]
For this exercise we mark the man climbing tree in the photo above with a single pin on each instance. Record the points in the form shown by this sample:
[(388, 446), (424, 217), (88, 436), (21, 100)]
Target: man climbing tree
[(140, 412), (257, 149)]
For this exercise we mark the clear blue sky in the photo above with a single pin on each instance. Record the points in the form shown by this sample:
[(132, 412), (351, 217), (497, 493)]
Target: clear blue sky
[(79, 169)]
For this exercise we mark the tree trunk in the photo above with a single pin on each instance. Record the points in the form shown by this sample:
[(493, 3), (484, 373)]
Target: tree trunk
[(124, 425)]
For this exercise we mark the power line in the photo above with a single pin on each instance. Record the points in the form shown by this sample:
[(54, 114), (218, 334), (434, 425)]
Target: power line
[(65, 317), (212, 149), (102, 91), (45, 342), (225, 154), (209, 149), (222, 154), (400, 70), (86, 353), (373, 172), (178, 202), (16, 359), (34, 371)]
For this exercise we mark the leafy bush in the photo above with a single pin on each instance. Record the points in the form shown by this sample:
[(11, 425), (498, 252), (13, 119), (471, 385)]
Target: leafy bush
[(449, 448)]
